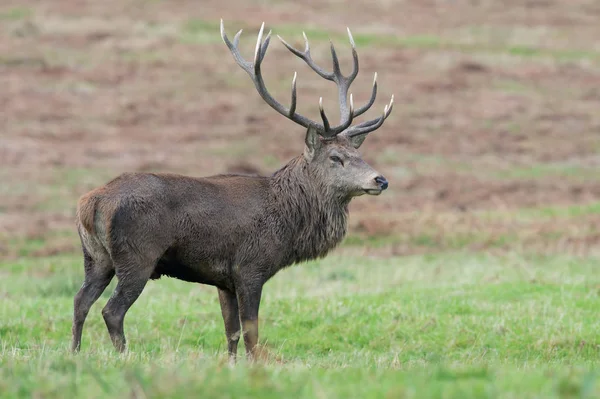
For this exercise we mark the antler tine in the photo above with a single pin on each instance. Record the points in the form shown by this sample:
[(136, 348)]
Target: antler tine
[(263, 50), (354, 57), (253, 69), (337, 73), (373, 124), (236, 38), (293, 102), (368, 105), (258, 44), (246, 66), (306, 45), (306, 57), (323, 116)]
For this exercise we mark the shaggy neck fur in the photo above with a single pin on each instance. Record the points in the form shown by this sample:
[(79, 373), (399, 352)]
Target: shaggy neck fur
[(312, 215)]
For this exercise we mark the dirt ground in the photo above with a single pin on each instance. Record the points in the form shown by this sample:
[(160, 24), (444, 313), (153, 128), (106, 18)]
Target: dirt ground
[(497, 104)]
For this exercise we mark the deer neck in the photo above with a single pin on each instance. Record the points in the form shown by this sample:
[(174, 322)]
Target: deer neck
[(311, 216)]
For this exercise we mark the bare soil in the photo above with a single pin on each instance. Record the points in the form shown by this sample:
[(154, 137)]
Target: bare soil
[(497, 106)]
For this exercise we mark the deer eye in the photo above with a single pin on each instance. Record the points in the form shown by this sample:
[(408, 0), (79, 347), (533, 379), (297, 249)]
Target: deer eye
[(337, 159)]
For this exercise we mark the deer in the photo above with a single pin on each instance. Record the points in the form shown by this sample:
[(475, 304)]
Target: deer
[(230, 231)]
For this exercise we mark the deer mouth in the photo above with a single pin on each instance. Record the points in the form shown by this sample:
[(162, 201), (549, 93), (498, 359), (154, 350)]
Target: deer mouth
[(373, 191)]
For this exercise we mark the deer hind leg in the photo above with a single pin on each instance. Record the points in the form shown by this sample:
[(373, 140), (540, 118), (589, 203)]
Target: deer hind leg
[(133, 274), (98, 274), (231, 317)]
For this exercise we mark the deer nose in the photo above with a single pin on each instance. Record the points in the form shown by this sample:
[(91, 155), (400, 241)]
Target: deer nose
[(383, 183)]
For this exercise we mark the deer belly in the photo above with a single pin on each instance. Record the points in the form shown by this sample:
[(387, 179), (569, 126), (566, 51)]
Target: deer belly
[(194, 272)]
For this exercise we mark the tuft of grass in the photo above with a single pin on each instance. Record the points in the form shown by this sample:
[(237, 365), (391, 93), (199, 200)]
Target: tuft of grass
[(549, 170), (15, 13), (571, 211), (513, 86), (200, 31)]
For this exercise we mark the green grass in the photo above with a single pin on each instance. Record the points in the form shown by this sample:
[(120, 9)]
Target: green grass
[(549, 170), (15, 13), (201, 31), (513, 86), (453, 325), (564, 212)]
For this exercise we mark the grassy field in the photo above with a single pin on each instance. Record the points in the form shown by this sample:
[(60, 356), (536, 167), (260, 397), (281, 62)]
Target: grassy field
[(448, 325), (475, 275)]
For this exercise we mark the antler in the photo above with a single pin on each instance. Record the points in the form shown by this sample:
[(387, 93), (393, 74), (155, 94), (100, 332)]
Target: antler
[(253, 69), (373, 124), (347, 111)]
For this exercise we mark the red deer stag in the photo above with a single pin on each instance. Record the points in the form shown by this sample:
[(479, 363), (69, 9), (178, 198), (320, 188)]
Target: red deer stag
[(230, 231)]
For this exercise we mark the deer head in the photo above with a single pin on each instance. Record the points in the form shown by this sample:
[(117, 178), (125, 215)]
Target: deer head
[(331, 152)]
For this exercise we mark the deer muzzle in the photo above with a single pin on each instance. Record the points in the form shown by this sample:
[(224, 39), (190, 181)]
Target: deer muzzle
[(382, 182)]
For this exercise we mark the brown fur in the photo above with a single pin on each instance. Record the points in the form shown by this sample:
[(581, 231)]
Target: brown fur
[(86, 210)]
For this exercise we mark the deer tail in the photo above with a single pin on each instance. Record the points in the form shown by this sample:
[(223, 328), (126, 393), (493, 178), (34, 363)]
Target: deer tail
[(86, 210)]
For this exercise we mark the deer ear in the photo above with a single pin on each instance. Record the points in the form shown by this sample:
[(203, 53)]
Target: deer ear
[(357, 141), (312, 141)]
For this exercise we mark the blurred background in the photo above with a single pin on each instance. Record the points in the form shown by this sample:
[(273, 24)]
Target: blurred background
[(493, 143)]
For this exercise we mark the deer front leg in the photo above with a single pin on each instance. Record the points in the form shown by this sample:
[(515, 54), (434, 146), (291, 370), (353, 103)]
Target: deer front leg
[(248, 302), (231, 317)]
